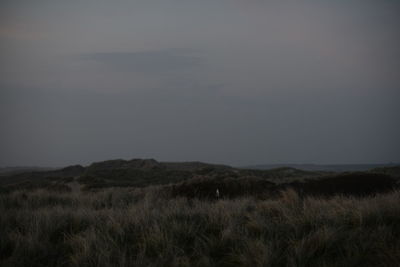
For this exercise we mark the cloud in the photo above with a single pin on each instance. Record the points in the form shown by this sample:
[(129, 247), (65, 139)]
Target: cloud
[(160, 61)]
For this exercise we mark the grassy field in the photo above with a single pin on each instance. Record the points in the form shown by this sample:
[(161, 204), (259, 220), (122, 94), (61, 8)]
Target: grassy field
[(150, 227)]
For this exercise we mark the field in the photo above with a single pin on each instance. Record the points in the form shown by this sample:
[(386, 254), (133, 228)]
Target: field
[(89, 220)]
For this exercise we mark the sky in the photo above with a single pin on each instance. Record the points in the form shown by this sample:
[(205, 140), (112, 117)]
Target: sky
[(237, 82)]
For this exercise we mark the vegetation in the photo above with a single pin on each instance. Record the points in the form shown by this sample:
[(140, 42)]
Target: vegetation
[(56, 219), (143, 227)]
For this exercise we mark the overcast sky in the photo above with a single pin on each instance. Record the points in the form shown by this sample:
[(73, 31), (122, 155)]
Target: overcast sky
[(226, 81)]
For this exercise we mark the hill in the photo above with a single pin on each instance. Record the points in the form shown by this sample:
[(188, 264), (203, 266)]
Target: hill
[(15, 170), (326, 167), (200, 180), (142, 212)]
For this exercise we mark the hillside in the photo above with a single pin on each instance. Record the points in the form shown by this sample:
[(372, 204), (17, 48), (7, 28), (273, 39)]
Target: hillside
[(150, 227), (142, 212), (200, 180), (15, 170), (324, 167)]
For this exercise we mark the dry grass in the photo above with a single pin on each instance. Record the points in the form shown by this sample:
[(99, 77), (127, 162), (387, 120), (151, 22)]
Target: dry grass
[(142, 227)]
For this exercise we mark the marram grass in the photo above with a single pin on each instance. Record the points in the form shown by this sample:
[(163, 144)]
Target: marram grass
[(142, 227)]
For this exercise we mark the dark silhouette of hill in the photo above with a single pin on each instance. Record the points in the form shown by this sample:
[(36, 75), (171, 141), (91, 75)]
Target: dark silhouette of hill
[(195, 166), (354, 184), (205, 188), (324, 167), (200, 180), (144, 164), (281, 173), (349, 184), (15, 170), (40, 176), (144, 172), (152, 164), (393, 171)]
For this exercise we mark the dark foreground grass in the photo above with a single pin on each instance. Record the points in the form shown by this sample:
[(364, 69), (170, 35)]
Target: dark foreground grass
[(143, 227)]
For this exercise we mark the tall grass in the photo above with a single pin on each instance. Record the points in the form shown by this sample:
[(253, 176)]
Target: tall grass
[(143, 227)]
